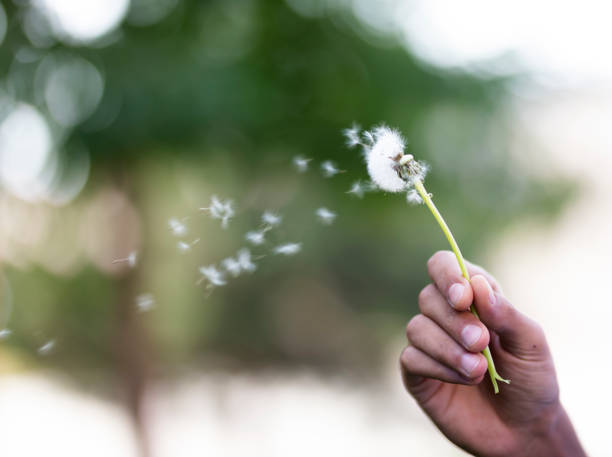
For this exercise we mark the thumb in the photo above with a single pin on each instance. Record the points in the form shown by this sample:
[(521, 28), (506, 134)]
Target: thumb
[(518, 334)]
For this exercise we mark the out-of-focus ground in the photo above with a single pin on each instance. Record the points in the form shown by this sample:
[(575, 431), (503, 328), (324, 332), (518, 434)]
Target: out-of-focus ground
[(558, 274)]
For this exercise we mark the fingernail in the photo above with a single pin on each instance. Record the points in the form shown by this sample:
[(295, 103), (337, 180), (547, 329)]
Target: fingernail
[(469, 362), (455, 293), (470, 334)]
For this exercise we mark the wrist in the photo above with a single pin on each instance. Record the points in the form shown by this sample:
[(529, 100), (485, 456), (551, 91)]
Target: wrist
[(555, 436)]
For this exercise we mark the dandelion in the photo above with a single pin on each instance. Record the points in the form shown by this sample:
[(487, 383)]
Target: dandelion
[(301, 163), (177, 227), (394, 171), (183, 246), (220, 210), (46, 348), (329, 169), (213, 276), (256, 237), (145, 302), (131, 259), (288, 248), (325, 216), (271, 219), (358, 189), (5, 333)]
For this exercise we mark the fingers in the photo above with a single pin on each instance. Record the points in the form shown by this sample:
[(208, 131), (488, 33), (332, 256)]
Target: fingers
[(518, 334), (443, 268), (426, 336), (417, 365), (463, 326), (444, 271)]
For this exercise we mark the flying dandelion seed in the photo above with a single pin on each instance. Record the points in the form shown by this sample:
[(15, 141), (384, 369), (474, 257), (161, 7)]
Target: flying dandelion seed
[(5, 333), (288, 248), (352, 136), (271, 219), (256, 238), (329, 169), (244, 260), (232, 266), (177, 227), (358, 189), (131, 259), (145, 302), (46, 348), (220, 210), (301, 163), (325, 216), (213, 276), (183, 246)]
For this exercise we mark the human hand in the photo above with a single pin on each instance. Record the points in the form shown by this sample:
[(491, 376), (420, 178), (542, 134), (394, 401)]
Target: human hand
[(443, 369)]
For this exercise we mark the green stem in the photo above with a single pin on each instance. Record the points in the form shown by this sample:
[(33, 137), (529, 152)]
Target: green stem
[(418, 184)]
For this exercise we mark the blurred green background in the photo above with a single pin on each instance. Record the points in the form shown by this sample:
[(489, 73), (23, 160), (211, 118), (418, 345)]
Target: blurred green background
[(196, 98)]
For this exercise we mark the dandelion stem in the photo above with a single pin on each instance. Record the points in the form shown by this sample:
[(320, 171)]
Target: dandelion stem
[(418, 184)]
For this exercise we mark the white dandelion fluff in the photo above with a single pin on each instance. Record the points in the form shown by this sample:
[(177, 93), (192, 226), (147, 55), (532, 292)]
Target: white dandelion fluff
[(177, 227), (301, 163), (213, 276), (131, 259), (220, 210), (325, 216), (5, 333), (358, 189), (145, 302), (46, 348), (232, 266), (288, 248), (413, 197), (271, 219), (329, 169), (244, 260), (183, 246), (352, 136), (382, 159), (256, 238)]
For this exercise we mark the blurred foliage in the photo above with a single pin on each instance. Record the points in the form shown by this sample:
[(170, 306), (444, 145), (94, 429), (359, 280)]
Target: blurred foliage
[(217, 98)]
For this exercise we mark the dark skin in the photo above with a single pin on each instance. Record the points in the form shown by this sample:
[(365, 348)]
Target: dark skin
[(443, 369)]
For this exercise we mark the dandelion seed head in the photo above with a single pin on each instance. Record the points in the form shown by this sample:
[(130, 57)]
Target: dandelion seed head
[(177, 227), (132, 258), (271, 219), (301, 163), (256, 238), (413, 197), (46, 348), (145, 302), (213, 275), (288, 248), (325, 216), (5, 333), (183, 247), (329, 169), (382, 159)]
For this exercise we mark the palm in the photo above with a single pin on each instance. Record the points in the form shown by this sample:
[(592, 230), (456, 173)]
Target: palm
[(474, 417)]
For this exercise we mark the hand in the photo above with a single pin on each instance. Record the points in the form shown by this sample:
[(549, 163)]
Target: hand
[(445, 372)]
